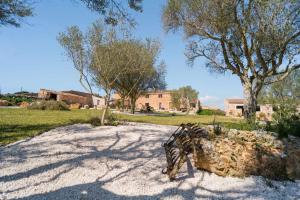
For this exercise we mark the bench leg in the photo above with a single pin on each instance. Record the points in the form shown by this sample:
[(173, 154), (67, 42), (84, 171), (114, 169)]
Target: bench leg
[(177, 166)]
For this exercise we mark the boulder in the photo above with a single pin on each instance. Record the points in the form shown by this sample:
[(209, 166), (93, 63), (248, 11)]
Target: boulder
[(4, 103), (85, 107), (245, 153), (293, 158), (75, 106), (24, 104)]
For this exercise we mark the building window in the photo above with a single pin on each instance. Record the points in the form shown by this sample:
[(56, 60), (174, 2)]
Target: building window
[(239, 107), (159, 95), (98, 102), (147, 96)]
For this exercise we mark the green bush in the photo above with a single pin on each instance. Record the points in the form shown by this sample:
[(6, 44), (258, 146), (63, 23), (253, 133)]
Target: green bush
[(286, 120), (210, 112), (110, 120), (287, 126), (245, 126), (49, 105), (14, 100), (217, 127), (95, 121)]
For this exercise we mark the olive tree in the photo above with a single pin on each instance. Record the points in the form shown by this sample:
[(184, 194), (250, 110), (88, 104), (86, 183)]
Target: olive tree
[(256, 40), (110, 59), (114, 11), (142, 72), (95, 55), (183, 97), (12, 12)]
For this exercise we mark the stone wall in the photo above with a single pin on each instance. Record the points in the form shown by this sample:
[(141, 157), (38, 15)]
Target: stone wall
[(3, 103), (244, 153), (71, 99)]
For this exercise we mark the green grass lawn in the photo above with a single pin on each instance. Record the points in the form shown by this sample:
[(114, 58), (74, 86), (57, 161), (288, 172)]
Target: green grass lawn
[(176, 120), (17, 124)]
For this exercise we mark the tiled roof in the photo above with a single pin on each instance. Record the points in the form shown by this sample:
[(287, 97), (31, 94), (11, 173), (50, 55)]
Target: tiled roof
[(236, 101), (83, 94), (158, 91)]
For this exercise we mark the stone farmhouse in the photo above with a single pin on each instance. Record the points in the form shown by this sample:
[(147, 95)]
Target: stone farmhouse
[(159, 100), (72, 97), (235, 108)]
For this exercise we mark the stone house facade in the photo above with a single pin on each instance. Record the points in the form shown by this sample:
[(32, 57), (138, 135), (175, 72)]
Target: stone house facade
[(72, 97), (235, 108), (158, 100)]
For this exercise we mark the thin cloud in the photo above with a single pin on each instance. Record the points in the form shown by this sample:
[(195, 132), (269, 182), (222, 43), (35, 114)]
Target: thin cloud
[(212, 101), (208, 98)]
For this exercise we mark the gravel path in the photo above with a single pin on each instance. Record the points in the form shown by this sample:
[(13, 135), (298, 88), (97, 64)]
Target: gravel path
[(124, 162)]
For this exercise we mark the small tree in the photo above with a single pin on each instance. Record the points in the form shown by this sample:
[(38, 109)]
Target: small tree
[(12, 12), (95, 56), (256, 40), (285, 98), (142, 74), (184, 97), (176, 99), (283, 95), (109, 59)]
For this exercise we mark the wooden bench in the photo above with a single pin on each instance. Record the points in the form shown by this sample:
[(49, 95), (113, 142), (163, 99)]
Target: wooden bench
[(179, 145)]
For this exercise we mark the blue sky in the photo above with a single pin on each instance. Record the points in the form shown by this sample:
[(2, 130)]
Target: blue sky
[(31, 58)]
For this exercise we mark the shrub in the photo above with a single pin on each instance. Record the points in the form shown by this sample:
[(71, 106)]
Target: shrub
[(217, 127), (95, 121), (210, 112), (286, 120), (262, 116), (48, 105), (15, 100), (110, 120), (287, 126), (240, 126)]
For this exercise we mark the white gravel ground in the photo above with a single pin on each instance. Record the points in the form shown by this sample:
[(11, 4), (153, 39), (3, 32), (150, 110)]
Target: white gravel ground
[(124, 162)]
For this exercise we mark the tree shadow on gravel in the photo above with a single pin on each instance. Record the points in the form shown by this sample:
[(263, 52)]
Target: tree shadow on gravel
[(142, 147), (96, 191), (128, 152)]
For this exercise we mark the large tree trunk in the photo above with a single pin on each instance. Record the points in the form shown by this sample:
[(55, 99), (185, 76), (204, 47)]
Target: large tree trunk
[(105, 109), (122, 104), (188, 106), (132, 101), (250, 101), (103, 114)]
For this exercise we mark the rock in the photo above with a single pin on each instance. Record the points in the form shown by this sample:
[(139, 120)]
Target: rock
[(245, 153), (75, 106), (86, 107), (24, 104), (293, 158), (4, 103)]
